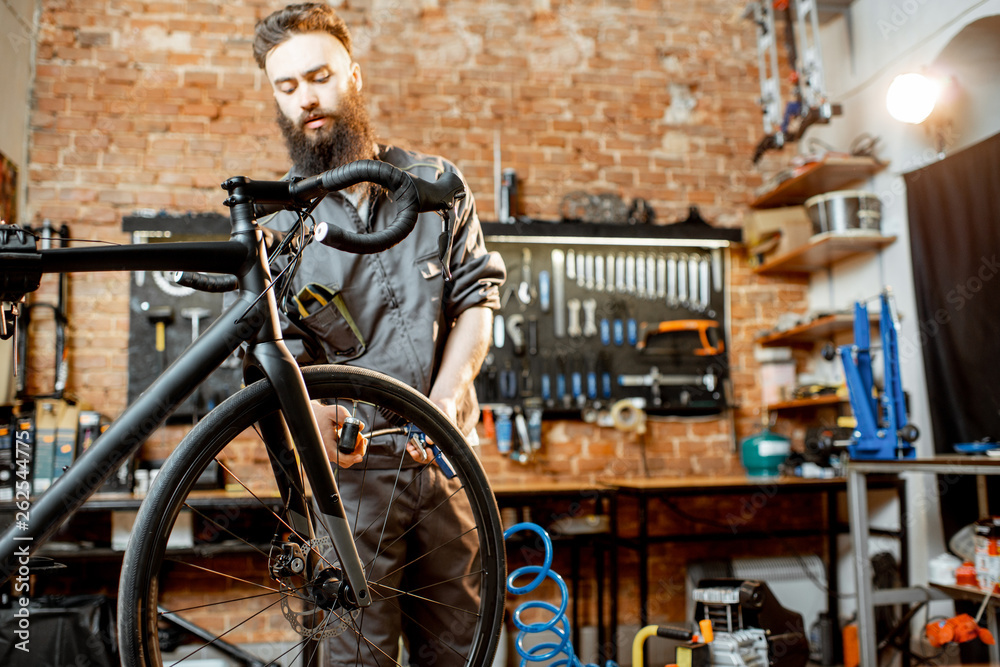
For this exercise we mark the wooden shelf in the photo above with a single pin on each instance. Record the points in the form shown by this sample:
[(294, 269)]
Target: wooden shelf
[(800, 403), (832, 173), (823, 250), (820, 329)]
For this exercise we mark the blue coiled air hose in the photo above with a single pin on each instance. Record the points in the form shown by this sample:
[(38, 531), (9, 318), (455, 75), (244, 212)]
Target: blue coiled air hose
[(558, 624)]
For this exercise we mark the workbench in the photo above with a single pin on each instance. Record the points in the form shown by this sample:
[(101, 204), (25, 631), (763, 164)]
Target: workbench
[(648, 491), (858, 483)]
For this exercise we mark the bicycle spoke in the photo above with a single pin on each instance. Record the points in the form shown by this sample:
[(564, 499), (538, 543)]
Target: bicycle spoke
[(218, 637), (477, 573)]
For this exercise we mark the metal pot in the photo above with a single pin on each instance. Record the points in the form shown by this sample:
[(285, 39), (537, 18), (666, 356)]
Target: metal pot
[(844, 211)]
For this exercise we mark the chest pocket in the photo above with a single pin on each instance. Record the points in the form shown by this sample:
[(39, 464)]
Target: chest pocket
[(322, 310), (429, 265)]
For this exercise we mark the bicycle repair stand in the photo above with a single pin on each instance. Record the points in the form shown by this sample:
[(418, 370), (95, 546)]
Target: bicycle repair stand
[(882, 431)]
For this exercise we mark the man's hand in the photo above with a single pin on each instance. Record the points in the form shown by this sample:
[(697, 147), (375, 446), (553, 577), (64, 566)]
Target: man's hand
[(329, 418)]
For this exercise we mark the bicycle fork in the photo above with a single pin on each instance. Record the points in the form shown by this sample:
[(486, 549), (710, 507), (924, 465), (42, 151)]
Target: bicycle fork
[(277, 364)]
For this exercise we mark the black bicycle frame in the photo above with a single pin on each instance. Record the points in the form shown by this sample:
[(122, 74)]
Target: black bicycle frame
[(254, 315)]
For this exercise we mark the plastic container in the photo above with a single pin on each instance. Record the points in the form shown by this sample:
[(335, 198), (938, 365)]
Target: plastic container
[(763, 453), (987, 544)]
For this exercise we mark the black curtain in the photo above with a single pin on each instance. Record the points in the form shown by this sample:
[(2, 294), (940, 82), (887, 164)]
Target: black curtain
[(954, 215)]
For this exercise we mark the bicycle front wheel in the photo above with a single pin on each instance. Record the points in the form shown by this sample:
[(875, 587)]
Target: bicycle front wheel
[(432, 545)]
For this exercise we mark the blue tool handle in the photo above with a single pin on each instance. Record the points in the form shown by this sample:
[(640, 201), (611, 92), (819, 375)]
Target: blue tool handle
[(605, 332), (443, 462), (543, 290), (591, 385), (619, 330), (633, 331), (546, 387), (577, 384)]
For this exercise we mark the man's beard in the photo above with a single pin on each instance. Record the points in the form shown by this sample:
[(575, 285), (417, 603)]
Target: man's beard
[(347, 136)]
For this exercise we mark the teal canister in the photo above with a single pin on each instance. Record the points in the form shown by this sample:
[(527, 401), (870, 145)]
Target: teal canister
[(761, 454)]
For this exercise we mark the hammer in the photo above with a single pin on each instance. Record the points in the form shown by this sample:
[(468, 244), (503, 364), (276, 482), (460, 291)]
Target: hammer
[(160, 317)]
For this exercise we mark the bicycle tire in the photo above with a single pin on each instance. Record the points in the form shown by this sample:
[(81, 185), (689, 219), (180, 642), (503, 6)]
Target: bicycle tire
[(148, 567)]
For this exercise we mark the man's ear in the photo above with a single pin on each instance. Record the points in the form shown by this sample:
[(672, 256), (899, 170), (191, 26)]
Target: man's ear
[(356, 76)]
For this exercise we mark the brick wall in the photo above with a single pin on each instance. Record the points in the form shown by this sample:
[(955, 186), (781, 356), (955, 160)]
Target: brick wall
[(152, 104)]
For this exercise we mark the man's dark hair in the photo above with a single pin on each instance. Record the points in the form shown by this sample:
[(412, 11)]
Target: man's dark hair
[(295, 19)]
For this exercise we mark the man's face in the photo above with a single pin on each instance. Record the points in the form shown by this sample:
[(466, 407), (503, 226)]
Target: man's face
[(310, 73)]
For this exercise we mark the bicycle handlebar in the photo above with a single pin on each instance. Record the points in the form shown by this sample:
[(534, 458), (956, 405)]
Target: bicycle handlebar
[(412, 195)]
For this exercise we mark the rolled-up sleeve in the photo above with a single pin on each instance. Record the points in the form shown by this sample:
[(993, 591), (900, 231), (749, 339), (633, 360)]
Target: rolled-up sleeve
[(477, 273)]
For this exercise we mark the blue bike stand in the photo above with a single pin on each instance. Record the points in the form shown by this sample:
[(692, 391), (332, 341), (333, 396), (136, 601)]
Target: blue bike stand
[(882, 431)]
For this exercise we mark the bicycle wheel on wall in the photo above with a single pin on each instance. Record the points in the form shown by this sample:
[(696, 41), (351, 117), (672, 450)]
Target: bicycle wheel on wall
[(240, 589)]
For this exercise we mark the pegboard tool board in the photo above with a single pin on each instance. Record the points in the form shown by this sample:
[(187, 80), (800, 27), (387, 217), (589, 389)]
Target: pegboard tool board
[(592, 314), (164, 316)]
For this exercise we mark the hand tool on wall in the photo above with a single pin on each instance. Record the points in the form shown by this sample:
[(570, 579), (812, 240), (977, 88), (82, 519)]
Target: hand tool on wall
[(654, 380), (694, 271), (544, 291), (620, 273), (574, 329), (161, 317), (661, 277), (588, 271), (693, 290), (558, 293), (682, 292), (515, 332), (561, 396), (546, 382), (589, 318), (618, 332), (499, 331), (532, 336), (717, 270), (705, 286), (507, 383), (609, 271), (581, 270), (640, 275), (709, 334), (570, 264), (632, 331), (651, 276), (599, 273), (533, 415), (525, 290), (521, 453), (672, 280), (605, 331), (630, 273), (603, 368), (592, 380), (527, 384)]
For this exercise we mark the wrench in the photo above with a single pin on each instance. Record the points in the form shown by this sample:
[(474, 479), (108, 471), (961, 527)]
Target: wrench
[(609, 264), (630, 273), (524, 289), (574, 328), (672, 280), (571, 264), (581, 271), (589, 317), (599, 273), (661, 277), (588, 271), (651, 276), (704, 283), (559, 293), (620, 273), (694, 297), (640, 274), (682, 268)]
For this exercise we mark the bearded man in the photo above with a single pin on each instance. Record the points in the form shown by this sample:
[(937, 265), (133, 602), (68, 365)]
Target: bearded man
[(395, 313)]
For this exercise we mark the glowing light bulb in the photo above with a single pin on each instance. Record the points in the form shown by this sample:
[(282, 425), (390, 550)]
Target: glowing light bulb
[(911, 97)]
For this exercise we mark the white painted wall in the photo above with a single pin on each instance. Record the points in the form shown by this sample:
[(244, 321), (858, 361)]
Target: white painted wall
[(17, 21), (861, 55), (17, 53)]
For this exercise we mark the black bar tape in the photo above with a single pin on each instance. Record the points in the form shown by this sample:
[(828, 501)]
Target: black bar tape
[(204, 282)]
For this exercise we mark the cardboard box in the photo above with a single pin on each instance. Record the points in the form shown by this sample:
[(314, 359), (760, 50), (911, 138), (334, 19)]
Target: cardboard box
[(773, 232)]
